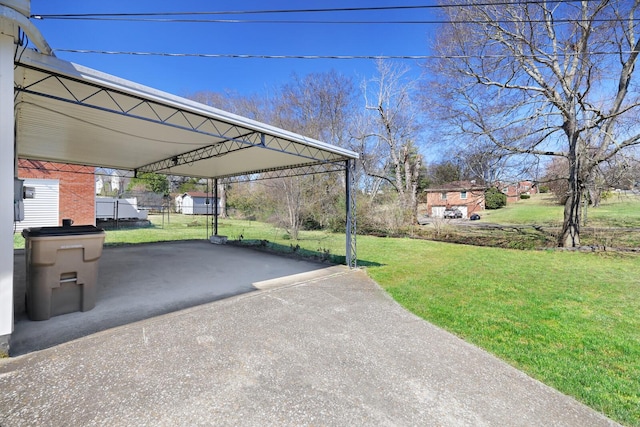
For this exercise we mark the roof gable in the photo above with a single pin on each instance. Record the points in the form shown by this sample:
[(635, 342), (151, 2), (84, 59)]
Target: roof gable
[(195, 194)]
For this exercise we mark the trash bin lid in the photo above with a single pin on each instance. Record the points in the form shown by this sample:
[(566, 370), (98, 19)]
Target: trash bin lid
[(74, 230)]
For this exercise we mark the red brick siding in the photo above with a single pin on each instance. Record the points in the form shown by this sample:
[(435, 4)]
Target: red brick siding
[(474, 201), (513, 191), (77, 190)]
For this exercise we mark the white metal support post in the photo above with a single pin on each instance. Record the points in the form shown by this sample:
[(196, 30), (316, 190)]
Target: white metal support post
[(215, 206), (6, 182)]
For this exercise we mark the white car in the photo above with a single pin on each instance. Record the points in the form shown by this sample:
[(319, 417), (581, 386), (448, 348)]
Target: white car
[(452, 213)]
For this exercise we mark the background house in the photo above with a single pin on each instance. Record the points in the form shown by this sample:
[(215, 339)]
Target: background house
[(464, 195), (60, 192), (514, 190), (195, 203)]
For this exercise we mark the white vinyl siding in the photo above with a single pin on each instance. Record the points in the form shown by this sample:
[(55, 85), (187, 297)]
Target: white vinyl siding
[(44, 209), (197, 205)]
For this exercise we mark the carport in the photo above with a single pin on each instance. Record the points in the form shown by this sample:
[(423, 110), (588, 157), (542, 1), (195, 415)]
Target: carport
[(53, 110)]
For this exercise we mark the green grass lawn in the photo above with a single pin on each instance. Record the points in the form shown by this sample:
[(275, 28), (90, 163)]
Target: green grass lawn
[(615, 223), (188, 227), (569, 319), (540, 209), (617, 210)]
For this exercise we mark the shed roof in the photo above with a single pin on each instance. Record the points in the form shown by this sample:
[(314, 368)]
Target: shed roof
[(69, 113), (194, 194)]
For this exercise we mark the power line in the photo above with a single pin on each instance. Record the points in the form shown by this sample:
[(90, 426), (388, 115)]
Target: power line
[(244, 56), (334, 22), (341, 57), (283, 11)]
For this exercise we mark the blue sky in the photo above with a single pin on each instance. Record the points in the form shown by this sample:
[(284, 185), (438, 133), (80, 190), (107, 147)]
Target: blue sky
[(181, 75)]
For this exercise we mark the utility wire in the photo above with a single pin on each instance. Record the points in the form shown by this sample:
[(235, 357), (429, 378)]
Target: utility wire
[(332, 22), (282, 11), (259, 56)]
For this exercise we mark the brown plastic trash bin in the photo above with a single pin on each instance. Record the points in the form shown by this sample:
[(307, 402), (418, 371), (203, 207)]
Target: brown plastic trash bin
[(62, 269)]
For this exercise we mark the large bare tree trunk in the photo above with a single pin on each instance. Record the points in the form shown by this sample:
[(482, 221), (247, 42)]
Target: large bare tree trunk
[(222, 193), (412, 165), (570, 235)]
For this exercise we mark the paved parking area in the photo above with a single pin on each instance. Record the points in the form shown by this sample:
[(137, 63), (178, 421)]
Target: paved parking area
[(141, 281), (317, 347)]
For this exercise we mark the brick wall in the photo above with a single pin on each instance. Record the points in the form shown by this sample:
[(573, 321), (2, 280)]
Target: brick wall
[(513, 191), (474, 201), (77, 190)]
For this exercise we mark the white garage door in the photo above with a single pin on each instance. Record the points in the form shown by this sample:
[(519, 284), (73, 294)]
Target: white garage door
[(464, 211), (437, 211), (43, 209)]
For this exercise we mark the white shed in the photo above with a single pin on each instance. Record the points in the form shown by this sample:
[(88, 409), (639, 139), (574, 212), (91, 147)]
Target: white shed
[(195, 203)]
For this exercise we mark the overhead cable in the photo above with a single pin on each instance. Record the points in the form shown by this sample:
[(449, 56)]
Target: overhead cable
[(335, 22), (282, 11), (260, 56)]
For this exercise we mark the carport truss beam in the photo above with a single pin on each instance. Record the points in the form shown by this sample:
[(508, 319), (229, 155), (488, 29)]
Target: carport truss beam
[(288, 172), (207, 152), (228, 136)]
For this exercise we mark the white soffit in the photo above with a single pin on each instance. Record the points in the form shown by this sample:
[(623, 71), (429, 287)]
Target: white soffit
[(71, 114)]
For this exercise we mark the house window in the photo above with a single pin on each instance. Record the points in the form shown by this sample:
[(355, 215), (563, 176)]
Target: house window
[(463, 194), (443, 196)]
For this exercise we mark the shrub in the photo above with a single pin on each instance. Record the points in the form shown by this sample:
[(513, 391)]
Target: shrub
[(544, 189), (525, 196), (494, 198)]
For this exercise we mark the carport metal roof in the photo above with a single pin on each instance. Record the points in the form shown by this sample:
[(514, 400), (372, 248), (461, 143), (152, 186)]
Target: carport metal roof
[(73, 114)]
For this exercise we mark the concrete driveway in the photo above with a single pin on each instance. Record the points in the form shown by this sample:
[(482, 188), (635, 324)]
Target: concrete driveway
[(137, 282), (328, 347)]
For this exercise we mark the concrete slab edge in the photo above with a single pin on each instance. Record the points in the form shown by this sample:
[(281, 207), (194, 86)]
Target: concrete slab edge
[(301, 277)]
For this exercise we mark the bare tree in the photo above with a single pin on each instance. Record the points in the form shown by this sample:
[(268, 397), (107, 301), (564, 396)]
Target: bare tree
[(556, 177), (545, 78), (387, 135), (318, 105), (622, 172), (286, 196)]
